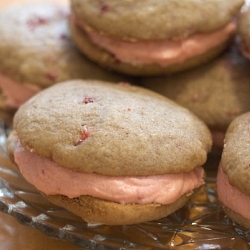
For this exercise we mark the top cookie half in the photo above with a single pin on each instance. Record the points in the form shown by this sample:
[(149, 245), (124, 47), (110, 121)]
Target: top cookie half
[(95, 126)]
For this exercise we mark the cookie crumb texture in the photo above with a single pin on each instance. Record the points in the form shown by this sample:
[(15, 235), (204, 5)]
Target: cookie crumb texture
[(112, 129)]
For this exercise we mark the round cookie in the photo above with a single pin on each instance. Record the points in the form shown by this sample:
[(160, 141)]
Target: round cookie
[(233, 187), (36, 51), (216, 92), (244, 29), (114, 135), (152, 37)]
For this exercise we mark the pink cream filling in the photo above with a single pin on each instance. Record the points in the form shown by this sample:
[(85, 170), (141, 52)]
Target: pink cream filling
[(218, 138), (14, 92), (51, 179), (164, 52), (232, 197)]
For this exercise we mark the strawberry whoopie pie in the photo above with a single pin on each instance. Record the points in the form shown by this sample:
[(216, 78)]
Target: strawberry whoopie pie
[(110, 153), (151, 37), (36, 51), (216, 92), (233, 188)]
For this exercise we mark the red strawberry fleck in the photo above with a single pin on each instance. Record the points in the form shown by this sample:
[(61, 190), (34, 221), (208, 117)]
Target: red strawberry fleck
[(104, 8), (36, 21), (232, 112), (195, 98), (248, 166), (64, 36), (51, 75), (84, 135), (88, 100), (125, 84)]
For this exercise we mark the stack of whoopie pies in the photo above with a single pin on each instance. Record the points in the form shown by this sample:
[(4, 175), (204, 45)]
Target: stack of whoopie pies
[(111, 152)]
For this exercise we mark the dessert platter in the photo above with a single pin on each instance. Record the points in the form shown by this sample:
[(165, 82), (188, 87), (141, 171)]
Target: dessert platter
[(200, 224), (52, 178)]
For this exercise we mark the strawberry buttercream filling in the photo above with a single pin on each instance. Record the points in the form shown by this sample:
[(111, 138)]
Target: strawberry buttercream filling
[(232, 197), (14, 92), (218, 138), (162, 52), (52, 179)]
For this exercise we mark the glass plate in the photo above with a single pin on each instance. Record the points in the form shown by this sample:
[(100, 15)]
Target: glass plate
[(200, 224)]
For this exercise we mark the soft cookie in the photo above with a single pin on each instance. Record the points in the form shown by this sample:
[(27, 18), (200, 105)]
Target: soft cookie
[(152, 37), (36, 51), (233, 187), (113, 154)]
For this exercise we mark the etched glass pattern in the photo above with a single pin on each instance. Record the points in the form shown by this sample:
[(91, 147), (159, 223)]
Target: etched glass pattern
[(200, 224)]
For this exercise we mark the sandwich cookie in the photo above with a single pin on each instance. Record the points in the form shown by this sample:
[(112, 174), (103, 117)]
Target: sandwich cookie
[(233, 187), (36, 51), (110, 153), (152, 37)]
